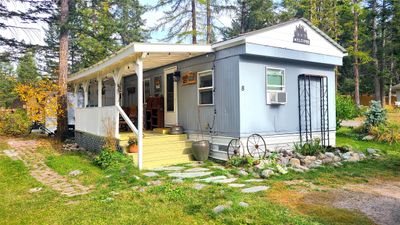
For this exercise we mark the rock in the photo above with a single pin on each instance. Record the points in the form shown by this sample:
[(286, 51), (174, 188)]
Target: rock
[(346, 156), (362, 156), (75, 173), (254, 180), (368, 138), (316, 163), (298, 170), (243, 204), (196, 170), (151, 174), (169, 168), (299, 156), (287, 153), (281, 169), (177, 181), (255, 189), (267, 173), (210, 179), (337, 159), (154, 183), (224, 181), (190, 175), (198, 186), (308, 160), (321, 156), (371, 151), (114, 193), (329, 154), (294, 162), (219, 209), (354, 157), (243, 173), (328, 160), (109, 199), (34, 190), (218, 167), (284, 161), (236, 185)]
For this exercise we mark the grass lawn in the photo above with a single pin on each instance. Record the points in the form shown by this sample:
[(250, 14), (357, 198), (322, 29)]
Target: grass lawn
[(114, 201)]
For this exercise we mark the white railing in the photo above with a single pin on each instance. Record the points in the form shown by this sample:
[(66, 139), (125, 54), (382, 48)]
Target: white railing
[(96, 120), (127, 120)]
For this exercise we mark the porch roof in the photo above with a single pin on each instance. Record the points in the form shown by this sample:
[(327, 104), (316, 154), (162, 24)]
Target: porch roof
[(153, 56)]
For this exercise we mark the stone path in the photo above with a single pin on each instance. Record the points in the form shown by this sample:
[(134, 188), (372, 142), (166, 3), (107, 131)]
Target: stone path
[(26, 151)]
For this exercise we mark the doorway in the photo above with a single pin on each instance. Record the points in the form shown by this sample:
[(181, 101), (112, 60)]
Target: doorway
[(170, 98)]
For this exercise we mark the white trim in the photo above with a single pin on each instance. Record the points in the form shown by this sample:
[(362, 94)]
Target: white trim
[(283, 80), (167, 71), (201, 74)]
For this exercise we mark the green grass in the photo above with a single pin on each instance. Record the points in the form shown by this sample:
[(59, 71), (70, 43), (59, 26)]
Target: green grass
[(113, 201)]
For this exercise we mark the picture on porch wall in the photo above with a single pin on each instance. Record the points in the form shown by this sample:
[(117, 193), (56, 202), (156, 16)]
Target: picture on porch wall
[(189, 78), (157, 85)]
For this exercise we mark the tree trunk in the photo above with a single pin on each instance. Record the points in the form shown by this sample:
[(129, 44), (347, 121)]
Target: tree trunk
[(194, 23), (209, 30), (62, 118), (243, 17), (383, 59), (356, 63), (375, 53)]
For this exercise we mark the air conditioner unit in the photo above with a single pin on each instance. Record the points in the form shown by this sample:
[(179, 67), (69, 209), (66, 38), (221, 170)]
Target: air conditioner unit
[(276, 98)]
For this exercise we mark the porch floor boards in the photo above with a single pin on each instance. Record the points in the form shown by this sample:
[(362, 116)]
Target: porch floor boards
[(160, 149)]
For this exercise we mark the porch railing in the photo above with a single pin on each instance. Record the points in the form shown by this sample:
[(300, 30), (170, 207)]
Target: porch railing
[(127, 120)]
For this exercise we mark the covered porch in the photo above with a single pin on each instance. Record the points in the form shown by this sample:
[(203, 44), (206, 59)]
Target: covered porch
[(102, 104)]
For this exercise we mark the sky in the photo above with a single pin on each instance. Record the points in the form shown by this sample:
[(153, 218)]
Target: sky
[(35, 33)]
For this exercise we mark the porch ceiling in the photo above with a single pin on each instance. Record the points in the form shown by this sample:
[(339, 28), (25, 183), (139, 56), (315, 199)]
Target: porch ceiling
[(153, 55)]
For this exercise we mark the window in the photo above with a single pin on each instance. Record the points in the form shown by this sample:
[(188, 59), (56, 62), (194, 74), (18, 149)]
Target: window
[(205, 87), (275, 80), (146, 89)]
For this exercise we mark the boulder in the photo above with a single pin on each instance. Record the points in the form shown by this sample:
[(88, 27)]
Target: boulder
[(316, 163), (354, 157), (267, 173), (328, 160), (299, 156), (329, 154), (371, 151), (219, 209), (75, 173), (294, 162), (337, 159), (243, 173), (346, 156), (368, 138), (281, 169), (283, 161), (243, 204), (308, 160)]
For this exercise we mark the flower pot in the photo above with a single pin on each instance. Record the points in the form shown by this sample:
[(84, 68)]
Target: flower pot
[(201, 150), (176, 130), (133, 149)]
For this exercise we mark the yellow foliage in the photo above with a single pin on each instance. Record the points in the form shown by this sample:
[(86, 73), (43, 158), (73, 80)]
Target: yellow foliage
[(40, 99)]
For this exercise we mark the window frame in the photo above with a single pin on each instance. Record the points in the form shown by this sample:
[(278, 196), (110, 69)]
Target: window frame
[(199, 89), (283, 86)]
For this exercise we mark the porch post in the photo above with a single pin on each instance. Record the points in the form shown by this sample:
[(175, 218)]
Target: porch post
[(117, 75), (139, 73), (99, 92), (85, 86), (76, 89)]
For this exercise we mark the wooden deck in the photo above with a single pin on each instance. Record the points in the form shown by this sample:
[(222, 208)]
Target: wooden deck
[(161, 149)]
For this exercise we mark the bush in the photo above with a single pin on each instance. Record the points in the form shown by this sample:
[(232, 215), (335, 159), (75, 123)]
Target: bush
[(15, 123), (238, 161), (311, 148), (346, 109), (375, 115), (389, 133), (109, 158)]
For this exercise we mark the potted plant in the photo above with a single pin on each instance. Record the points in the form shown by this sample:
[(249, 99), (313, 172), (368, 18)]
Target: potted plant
[(132, 145)]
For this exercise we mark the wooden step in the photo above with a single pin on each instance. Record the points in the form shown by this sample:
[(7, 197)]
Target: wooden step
[(153, 163)]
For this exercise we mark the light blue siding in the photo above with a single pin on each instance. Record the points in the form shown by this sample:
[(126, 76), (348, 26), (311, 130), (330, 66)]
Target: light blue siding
[(258, 117)]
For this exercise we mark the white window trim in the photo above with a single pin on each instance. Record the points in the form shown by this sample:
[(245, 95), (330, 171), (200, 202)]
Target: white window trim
[(268, 85), (200, 74)]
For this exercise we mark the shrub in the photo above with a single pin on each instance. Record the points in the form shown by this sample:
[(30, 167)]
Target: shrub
[(375, 115), (109, 158), (15, 123), (238, 161), (389, 133), (311, 148), (346, 109)]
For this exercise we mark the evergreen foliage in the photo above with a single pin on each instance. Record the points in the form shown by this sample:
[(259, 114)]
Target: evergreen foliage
[(375, 115), (27, 71)]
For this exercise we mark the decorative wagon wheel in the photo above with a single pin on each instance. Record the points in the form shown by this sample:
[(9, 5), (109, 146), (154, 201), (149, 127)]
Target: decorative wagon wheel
[(256, 146), (235, 147)]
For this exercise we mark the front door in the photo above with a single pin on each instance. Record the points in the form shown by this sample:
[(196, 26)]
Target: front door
[(170, 98)]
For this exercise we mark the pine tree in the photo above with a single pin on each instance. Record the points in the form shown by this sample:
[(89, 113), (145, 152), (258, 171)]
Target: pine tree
[(27, 71), (7, 84)]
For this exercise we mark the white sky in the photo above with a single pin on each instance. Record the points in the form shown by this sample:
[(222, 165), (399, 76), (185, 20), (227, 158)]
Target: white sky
[(35, 32)]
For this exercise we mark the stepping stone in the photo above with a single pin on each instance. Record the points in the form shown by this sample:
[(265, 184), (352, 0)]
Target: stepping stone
[(177, 181), (75, 173), (236, 185), (197, 170), (169, 168), (12, 154), (190, 175), (255, 189), (254, 180), (224, 181), (198, 186), (210, 179), (220, 208), (154, 183), (34, 190), (151, 174), (243, 204), (218, 167)]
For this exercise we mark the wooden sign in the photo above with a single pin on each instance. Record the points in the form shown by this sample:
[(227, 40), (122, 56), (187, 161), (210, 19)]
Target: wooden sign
[(189, 78)]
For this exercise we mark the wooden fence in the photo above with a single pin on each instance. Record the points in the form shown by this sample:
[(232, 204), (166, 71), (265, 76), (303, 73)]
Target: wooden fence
[(366, 99)]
